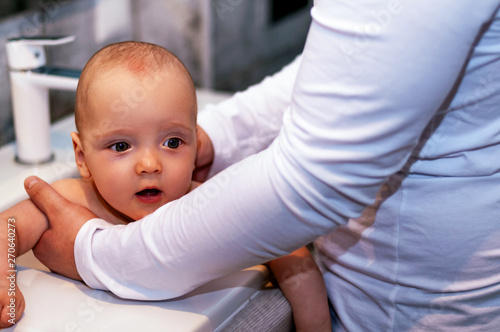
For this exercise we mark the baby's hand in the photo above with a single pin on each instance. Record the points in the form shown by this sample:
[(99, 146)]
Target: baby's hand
[(11, 302)]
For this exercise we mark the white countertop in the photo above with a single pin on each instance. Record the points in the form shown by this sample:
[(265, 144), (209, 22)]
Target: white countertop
[(55, 303)]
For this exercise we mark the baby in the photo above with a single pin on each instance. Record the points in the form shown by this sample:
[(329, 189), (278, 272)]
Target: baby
[(135, 150)]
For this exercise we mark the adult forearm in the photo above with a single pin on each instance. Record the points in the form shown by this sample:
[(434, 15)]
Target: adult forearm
[(206, 234)]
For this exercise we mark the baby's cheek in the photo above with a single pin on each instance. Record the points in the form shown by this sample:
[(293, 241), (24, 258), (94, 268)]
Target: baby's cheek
[(113, 193)]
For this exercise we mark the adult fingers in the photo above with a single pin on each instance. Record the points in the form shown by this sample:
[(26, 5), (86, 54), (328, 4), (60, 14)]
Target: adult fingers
[(43, 195)]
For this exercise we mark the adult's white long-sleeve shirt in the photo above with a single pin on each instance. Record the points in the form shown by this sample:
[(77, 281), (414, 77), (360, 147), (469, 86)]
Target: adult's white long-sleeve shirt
[(394, 97)]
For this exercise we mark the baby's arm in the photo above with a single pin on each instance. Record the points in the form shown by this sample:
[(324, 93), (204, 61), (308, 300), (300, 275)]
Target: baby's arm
[(20, 229), (302, 284)]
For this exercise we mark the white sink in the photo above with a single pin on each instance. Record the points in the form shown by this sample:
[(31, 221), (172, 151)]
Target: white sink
[(55, 303), (58, 304)]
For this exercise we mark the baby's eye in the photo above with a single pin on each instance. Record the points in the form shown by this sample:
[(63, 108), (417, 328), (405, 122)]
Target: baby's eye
[(120, 147), (172, 143)]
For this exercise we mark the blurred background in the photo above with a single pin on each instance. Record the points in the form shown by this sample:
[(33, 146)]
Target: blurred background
[(226, 45)]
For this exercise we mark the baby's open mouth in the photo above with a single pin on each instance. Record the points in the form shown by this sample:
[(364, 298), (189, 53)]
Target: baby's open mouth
[(149, 196), (148, 192)]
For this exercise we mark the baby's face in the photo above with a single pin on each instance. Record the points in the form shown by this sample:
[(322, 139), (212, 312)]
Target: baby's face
[(140, 140)]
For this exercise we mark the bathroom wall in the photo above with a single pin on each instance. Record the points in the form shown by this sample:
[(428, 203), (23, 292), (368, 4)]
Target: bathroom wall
[(225, 44), (252, 39)]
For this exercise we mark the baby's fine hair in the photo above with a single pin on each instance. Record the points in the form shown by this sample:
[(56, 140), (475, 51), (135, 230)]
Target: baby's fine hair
[(140, 58)]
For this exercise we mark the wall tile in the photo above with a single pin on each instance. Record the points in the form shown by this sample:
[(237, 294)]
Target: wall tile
[(248, 46), (175, 25), (74, 18)]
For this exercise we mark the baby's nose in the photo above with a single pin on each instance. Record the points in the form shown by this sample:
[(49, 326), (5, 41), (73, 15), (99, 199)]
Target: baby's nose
[(148, 163)]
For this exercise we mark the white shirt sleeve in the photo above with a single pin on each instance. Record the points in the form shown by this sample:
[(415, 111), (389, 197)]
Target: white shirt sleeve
[(249, 121), (371, 76)]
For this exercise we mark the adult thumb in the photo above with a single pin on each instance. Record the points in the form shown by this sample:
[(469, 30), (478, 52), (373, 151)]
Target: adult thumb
[(43, 195)]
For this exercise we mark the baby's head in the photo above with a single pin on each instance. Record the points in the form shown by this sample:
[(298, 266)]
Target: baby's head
[(136, 121)]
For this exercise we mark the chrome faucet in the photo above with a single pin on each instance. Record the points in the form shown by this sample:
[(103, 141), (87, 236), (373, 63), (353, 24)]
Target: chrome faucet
[(30, 81)]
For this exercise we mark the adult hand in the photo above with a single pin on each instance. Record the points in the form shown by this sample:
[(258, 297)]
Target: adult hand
[(56, 246), (204, 155)]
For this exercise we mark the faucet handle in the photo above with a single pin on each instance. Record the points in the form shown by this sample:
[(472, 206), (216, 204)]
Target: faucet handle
[(42, 40), (27, 53)]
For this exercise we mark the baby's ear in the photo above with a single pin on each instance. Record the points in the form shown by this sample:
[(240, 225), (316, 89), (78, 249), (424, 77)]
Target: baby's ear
[(80, 156)]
